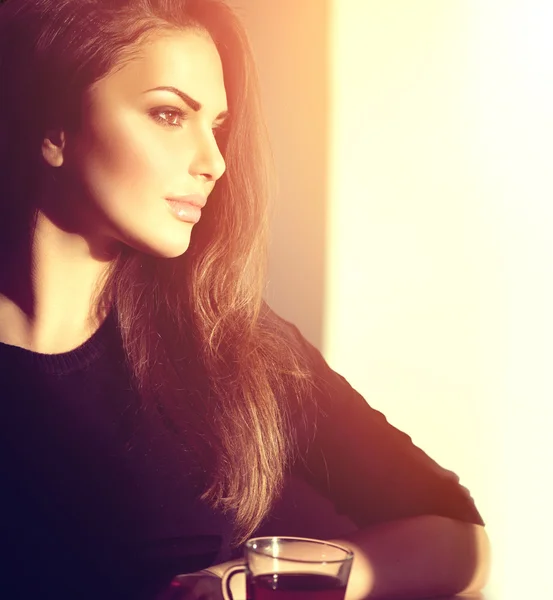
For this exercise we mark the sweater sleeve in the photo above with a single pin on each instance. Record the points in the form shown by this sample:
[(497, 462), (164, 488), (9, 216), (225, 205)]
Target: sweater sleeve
[(370, 470)]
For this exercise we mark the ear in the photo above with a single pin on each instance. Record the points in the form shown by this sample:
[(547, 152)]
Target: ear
[(52, 147)]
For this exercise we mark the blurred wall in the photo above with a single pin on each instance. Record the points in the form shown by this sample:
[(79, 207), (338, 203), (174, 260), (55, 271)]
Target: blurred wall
[(435, 249), (290, 45)]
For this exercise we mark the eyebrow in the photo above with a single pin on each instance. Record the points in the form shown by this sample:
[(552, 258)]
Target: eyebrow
[(193, 104)]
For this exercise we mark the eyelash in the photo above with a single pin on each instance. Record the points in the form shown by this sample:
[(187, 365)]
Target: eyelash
[(181, 115), (156, 112)]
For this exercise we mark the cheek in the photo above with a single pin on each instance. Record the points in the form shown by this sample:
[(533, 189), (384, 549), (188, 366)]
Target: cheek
[(127, 162), (132, 162)]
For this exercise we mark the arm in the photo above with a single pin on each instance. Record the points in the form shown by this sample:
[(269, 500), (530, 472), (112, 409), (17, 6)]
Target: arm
[(420, 532), (417, 557)]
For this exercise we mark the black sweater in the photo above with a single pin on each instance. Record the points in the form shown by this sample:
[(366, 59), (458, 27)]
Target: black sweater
[(86, 514)]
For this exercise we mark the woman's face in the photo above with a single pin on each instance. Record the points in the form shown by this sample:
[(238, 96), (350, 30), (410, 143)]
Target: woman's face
[(138, 146)]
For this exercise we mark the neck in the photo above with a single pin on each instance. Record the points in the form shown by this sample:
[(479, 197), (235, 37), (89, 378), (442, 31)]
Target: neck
[(48, 293)]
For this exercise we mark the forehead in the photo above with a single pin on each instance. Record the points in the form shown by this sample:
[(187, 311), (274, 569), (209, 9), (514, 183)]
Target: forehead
[(187, 60)]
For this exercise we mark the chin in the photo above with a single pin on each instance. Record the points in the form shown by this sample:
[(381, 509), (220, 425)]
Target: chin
[(171, 251), (165, 248)]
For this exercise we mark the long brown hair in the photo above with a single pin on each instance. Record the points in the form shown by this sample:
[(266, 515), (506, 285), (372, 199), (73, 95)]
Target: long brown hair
[(204, 350)]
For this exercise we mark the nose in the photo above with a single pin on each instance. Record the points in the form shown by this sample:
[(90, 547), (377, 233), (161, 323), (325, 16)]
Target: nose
[(207, 162)]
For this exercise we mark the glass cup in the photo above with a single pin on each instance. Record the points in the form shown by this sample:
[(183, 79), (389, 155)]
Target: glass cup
[(290, 568)]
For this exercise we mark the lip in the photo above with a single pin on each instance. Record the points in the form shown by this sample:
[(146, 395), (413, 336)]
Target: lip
[(187, 208), (194, 199)]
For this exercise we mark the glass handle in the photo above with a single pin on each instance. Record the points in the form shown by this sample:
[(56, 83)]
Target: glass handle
[(227, 576)]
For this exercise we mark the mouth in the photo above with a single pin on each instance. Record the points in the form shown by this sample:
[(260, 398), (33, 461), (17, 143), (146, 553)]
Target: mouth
[(187, 208), (194, 199)]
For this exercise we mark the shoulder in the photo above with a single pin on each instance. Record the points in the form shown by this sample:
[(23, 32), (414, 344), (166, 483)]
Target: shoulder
[(290, 334), (322, 393)]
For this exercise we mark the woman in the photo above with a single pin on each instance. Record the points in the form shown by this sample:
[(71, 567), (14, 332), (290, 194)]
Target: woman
[(152, 404)]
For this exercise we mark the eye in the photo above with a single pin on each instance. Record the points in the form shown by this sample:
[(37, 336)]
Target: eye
[(220, 129), (168, 117)]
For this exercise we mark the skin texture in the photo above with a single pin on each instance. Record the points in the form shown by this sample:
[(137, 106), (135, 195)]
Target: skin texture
[(110, 180)]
